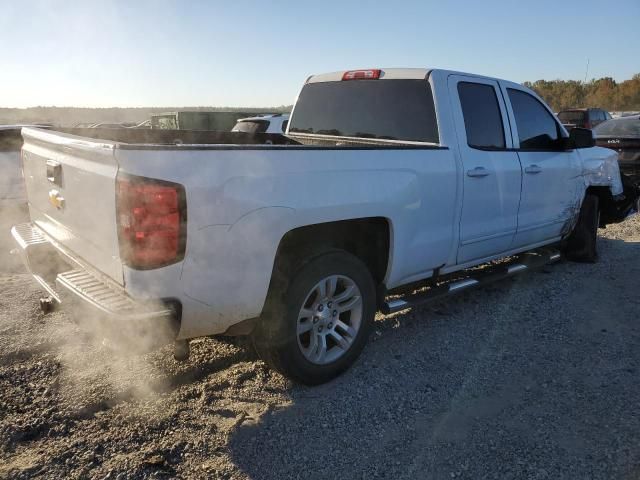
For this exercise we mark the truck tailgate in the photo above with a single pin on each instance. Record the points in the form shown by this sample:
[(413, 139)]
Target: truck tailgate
[(71, 184)]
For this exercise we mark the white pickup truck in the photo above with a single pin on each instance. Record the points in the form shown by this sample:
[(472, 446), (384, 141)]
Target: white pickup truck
[(387, 181)]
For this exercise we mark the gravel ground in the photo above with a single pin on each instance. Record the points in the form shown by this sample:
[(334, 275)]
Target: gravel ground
[(535, 377)]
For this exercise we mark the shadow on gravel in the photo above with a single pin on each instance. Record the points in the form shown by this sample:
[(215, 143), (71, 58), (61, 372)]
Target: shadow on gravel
[(530, 378), (148, 389)]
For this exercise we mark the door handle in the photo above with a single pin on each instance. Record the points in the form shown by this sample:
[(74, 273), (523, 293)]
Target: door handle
[(533, 169), (478, 172)]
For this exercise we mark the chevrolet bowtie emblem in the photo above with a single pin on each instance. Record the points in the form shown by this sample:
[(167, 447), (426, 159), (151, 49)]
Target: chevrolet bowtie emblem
[(56, 199)]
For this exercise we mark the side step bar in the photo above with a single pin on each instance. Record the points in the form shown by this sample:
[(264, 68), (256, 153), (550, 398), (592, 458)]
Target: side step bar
[(476, 278)]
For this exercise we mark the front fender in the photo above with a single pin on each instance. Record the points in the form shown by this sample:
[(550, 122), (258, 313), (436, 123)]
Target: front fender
[(600, 169)]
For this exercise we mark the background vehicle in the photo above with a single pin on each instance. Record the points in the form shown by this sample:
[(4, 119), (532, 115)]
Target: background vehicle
[(386, 179), (622, 135), (198, 120), (583, 117), (274, 123), (113, 125), (11, 185), (12, 191)]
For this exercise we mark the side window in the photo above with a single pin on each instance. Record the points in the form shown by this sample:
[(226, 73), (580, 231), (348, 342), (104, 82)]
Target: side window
[(482, 117), (537, 130), (284, 125)]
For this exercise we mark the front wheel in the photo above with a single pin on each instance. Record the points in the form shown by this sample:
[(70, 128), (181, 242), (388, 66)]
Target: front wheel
[(581, 246), (316, 327)]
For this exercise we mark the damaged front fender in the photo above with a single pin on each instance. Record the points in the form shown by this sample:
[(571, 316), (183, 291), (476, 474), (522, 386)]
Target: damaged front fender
[(619, 194), (600, 169)]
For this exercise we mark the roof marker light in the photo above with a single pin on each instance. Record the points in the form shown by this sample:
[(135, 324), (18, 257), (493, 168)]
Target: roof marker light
[(362, 75)]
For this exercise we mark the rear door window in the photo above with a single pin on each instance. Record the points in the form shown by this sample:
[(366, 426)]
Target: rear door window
[(482, 117), (384, 109), (537, 129)]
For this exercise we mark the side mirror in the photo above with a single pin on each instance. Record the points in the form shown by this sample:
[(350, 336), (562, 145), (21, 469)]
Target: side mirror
[(582, 138)]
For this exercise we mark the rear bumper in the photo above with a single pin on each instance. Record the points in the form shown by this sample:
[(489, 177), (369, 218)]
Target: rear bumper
[(68, 280)]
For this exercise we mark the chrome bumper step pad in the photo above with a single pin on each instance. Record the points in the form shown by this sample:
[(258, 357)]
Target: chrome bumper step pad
[(72, 276), (106, 298)]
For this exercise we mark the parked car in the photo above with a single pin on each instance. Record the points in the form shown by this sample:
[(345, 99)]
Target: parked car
[(386, 180), (622, 135), (583, 117), (198, 120), (113, 125), (274, 123)]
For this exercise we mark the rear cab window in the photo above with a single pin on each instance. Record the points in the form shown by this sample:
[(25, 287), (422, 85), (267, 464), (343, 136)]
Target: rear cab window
[(379, 109), (251, 126), (620, 127), (572, 117)]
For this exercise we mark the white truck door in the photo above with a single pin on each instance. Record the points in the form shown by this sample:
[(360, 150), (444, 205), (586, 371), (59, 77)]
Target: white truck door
[(491, 169), (552, 188)]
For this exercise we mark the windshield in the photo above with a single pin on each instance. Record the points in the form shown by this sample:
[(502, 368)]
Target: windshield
[(575, 116), (619, 127), (386, 109), (251, 126)]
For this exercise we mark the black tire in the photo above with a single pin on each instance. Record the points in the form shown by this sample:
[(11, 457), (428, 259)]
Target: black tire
[(275, 337), (581, 246)]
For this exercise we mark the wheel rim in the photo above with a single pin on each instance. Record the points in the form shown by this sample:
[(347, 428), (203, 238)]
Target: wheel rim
[(329, 319)]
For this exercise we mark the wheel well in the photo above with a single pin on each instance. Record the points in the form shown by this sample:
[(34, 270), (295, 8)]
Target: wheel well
[(603, 193), (366, 238)]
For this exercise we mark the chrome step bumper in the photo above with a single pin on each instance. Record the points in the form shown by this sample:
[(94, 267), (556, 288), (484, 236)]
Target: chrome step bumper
[(106, 298), (475, 278), (67, 278)]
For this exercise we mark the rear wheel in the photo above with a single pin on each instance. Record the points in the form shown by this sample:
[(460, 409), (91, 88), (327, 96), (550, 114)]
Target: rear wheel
[(315, 327), (581, 246)]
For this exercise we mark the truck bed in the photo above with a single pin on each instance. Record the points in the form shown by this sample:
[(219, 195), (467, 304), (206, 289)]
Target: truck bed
[(177, 137), (201, 139)]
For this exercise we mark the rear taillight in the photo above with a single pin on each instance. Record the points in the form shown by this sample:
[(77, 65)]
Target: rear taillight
[(362, 75), (151, 221), (587, 124)]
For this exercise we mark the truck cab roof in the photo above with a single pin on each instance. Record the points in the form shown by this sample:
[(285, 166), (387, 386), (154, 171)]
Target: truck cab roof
[(393, 74)]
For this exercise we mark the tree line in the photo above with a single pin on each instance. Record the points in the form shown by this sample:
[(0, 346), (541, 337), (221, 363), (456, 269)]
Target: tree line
[(559, 94), (602, 93), (70, 116)]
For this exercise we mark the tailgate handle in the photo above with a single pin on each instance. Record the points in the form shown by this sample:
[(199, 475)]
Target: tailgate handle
[(54, 172)]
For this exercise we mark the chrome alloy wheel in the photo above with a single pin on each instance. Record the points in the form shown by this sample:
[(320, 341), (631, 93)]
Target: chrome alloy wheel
[(329, 319)]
